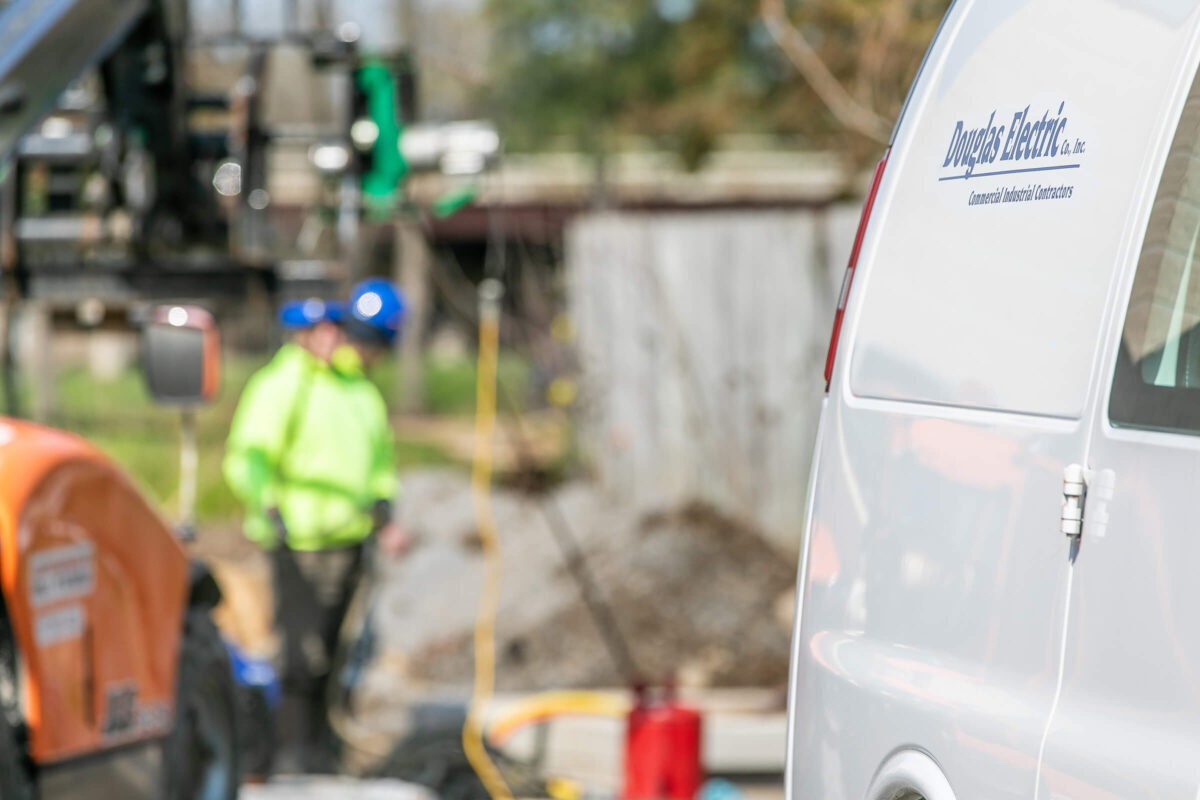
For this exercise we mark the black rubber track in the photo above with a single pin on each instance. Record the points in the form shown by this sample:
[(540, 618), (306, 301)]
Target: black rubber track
[(205, 717), (14, 780)]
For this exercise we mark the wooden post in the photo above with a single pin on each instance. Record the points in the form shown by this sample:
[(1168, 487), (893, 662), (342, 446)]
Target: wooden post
[(412, 265), (40, 367)]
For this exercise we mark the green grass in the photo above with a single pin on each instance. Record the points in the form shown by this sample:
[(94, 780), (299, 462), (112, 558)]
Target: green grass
[(119, 417), (450, 385)]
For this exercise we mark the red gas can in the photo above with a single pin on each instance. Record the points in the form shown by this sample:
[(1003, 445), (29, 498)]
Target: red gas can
[(662, 751)]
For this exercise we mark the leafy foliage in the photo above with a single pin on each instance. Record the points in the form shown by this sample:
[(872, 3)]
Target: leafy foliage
[(686, 72)]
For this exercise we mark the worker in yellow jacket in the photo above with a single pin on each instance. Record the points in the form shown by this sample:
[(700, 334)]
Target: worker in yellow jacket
[(311, 456)]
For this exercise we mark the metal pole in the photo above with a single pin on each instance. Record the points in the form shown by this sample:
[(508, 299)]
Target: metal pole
[(594, 599), (41, 366), (189, 460), (10, 289), (8, 361), (412, 272), (409, 34)]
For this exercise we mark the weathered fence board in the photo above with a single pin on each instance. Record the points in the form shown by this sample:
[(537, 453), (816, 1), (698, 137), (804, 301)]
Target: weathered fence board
[(702, 338)]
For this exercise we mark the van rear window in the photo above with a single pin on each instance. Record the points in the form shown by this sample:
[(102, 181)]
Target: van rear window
[(1156, 382)]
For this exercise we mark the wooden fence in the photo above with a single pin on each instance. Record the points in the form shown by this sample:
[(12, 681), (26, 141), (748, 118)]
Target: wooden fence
[(702, 340)]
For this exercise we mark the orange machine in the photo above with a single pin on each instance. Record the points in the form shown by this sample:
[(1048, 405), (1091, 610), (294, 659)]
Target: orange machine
[(113, 680), (95, 585)]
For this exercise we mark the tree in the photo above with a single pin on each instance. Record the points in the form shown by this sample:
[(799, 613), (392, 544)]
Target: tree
[(687, 72), (879, 58)]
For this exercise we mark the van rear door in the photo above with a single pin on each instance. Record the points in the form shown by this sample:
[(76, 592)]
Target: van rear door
[(1128, 717)]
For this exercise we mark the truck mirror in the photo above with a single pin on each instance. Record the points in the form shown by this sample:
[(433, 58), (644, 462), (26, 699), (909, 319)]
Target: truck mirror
[(181, 355)]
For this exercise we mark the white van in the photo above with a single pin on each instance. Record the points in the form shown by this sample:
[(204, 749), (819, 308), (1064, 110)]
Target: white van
[(1000, 594)]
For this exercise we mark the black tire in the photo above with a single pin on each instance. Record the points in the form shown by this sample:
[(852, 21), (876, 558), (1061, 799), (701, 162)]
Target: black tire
[(16, 782), (200, 757), (14, 777), (256, 733)]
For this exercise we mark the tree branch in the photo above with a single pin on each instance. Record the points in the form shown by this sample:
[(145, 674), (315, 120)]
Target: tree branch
[(840, 103), (896, 16)]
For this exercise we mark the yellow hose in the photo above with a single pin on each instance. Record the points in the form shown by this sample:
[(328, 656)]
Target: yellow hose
[(489, 599), (543, 707)]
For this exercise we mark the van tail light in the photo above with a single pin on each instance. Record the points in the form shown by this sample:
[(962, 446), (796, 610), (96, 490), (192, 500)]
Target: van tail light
[(849, 277)]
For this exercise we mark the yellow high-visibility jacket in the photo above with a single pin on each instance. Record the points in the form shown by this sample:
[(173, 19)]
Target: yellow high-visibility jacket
[(314, 443)]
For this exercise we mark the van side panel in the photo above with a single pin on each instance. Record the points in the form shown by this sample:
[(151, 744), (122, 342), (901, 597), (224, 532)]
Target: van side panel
[(935, 586), (933, 601), (994, 259)]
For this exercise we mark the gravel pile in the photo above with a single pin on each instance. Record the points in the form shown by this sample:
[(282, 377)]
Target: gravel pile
[(695, 593)]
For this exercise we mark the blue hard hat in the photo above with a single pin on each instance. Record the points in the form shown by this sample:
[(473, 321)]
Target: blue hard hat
[(374, 312), (300, 314)]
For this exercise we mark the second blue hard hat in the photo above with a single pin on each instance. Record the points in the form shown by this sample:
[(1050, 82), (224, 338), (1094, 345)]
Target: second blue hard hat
[(374, 312)]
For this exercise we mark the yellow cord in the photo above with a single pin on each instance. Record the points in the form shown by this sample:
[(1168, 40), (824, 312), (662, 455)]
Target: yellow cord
[(543, 707), (489, 599)]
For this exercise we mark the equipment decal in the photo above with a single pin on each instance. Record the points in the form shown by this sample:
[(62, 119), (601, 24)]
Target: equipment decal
[(60, 625), (62, 573)]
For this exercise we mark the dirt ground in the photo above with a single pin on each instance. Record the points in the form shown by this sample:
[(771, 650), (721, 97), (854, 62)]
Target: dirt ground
[(691, 592), (702, 600)]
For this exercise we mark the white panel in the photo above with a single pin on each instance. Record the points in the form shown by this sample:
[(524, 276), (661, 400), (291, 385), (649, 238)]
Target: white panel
[(999, 305)]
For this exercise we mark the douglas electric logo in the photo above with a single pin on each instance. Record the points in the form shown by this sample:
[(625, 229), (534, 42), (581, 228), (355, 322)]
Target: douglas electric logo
[(1025, 144)]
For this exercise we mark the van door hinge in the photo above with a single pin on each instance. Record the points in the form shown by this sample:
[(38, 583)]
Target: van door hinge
[(1074, 497)]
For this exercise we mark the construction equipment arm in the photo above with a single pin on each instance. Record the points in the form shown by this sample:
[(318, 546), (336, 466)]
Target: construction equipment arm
[(46, 45)]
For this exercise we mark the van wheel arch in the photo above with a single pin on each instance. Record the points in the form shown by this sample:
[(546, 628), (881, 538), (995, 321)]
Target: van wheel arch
[(910, 775)]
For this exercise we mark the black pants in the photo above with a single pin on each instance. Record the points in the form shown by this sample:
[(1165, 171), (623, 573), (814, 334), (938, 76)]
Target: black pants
[(313, 591)]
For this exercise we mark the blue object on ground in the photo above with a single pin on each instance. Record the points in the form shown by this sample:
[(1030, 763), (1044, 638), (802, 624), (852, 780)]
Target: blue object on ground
[(256, 672), (718, 789)]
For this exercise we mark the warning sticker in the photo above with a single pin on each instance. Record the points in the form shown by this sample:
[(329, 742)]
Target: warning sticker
[(60, 625), (62, 573)]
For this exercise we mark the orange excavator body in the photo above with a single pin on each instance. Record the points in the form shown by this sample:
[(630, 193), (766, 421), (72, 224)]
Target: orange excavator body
[(95, 584)]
